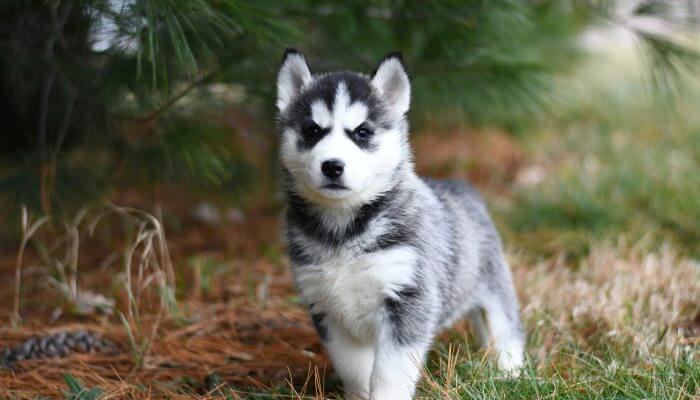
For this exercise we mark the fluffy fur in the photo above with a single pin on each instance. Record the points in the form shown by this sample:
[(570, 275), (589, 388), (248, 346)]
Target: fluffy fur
[(383, 258)]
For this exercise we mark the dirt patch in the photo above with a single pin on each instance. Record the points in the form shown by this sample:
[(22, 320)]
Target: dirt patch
[(489, 159)]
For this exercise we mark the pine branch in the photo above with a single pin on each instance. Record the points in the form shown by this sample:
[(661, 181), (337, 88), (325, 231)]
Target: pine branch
[(166, 105)]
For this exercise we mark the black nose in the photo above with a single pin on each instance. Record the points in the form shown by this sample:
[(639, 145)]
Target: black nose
[(332, 168)]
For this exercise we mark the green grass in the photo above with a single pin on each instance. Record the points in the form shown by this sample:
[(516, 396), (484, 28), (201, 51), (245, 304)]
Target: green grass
[(581, 376), (76, 390), (453, 374)]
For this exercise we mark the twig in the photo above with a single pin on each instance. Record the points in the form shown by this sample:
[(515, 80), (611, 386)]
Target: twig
[(155, 114)]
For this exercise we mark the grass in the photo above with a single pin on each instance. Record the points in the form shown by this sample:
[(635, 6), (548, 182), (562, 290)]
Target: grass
[(599, 207), (76, 391), (612, 161), (615, 324), (28, 228), (592, 378)]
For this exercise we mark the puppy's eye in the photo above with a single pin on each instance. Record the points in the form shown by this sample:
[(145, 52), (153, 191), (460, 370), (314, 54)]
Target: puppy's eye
[(363, 133), (312, 130)]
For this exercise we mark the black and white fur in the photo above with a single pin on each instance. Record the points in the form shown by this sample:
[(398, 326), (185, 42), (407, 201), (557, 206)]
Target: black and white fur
[(383, 258)]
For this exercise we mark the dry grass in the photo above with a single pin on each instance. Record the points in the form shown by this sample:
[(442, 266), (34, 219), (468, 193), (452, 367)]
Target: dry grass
[(28, 229), (622, 324), (621, 298), (620, 293), (247, 347)]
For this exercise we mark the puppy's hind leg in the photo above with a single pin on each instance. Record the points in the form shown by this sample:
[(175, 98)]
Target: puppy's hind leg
[(507, 338), (503, 320)]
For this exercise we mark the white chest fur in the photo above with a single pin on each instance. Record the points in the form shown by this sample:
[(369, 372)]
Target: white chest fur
[(351, 289)]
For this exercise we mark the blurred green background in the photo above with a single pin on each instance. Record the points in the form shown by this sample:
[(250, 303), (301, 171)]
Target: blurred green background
[(102, 99)]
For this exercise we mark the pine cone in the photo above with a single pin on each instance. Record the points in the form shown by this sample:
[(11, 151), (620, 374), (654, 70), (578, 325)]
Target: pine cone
[(57, 345)]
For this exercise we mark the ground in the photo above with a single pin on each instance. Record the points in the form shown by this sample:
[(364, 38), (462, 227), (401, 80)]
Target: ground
[(599, 210)]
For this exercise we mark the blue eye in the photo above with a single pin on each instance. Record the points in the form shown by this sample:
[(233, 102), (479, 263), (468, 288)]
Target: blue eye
[(363, 133)]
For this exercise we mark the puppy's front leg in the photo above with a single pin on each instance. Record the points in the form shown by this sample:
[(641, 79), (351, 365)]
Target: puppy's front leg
[(404, 337), (352, 360), (396, 371)]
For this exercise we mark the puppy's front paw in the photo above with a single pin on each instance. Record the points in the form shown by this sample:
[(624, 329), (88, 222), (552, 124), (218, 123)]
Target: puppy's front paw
[(391, 392), (510, 363)]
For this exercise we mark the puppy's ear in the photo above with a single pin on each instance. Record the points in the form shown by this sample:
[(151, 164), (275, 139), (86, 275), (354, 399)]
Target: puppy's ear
[(392, 82), (292, 77)]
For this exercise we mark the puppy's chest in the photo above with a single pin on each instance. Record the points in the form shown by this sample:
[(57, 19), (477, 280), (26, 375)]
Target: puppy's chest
[(351, 290)]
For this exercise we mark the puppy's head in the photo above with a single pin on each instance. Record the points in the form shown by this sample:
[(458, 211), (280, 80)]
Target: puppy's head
[(344, 134)]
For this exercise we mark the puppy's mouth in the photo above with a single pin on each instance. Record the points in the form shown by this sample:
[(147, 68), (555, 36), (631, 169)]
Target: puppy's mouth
[(335, 186)]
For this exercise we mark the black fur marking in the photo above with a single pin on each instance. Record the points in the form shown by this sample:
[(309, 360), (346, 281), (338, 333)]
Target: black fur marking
[(297, 255), (409, 292), (288, 52), (320, 325), (365, 143), (302, 215), (401, 229), (309, 139), (397, 234), (408, 315), (324, 88)]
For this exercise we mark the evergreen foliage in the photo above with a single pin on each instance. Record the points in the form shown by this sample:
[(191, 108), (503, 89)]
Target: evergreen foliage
[(96, 90)]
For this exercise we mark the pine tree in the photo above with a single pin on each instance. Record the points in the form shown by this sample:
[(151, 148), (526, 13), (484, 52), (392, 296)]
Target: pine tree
[(92, 87)]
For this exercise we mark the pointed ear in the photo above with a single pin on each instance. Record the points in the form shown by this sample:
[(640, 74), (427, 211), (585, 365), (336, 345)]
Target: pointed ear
[(392, 82), (292, 77)]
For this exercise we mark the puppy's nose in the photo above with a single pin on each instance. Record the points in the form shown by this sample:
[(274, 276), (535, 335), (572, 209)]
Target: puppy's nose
[(332, 168)]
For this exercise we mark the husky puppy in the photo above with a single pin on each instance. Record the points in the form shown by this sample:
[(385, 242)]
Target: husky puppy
[(384, 259)]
